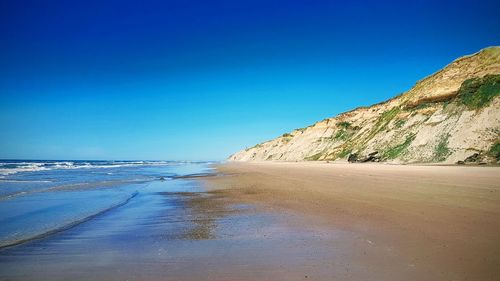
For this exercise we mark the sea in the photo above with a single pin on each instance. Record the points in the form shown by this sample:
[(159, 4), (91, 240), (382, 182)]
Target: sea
[(39, 197)]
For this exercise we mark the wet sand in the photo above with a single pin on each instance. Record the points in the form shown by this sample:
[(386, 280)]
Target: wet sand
[(175, 230), (395, 222)]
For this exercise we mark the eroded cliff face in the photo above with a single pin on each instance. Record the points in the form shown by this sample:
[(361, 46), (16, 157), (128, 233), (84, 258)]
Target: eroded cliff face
[(449, 117)]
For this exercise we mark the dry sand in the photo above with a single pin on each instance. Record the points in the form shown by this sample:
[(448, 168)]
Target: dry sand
[(398, 222)]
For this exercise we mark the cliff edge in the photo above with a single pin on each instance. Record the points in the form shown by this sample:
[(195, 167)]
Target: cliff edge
[(451, 116)]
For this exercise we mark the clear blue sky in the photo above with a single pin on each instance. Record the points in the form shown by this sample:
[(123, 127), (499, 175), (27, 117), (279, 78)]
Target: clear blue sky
[(198, 80)]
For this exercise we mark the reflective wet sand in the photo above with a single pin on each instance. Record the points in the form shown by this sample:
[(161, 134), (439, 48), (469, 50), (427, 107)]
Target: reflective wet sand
[(174, 230)]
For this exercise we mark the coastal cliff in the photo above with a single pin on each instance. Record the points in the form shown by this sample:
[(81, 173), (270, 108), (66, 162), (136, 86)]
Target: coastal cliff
[(451, 116)]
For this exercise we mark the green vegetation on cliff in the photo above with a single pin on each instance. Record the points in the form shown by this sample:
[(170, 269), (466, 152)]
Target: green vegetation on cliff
[(395, 151), (495, 150), (480, 91), (344, 125), (441, 152)]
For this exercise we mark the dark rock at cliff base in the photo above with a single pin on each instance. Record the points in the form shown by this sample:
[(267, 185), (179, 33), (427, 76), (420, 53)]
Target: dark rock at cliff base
[(474, 158), (353, 158), (372, 157)]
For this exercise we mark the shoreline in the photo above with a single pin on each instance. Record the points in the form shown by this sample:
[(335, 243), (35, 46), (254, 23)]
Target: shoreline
[(441, 220), (344, 162)]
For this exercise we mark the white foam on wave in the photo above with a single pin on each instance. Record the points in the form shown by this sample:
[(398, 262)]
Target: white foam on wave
[(2, 179), (66, 165), (24, 167)]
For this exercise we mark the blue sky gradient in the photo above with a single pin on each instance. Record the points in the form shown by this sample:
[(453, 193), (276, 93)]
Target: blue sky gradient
[(198, 80)]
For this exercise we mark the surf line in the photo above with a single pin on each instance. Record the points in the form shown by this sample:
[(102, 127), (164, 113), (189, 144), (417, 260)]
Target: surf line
[(75, 186), (67, 226)]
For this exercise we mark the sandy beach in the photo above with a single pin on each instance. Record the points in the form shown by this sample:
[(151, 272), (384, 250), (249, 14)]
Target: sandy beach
[(391, 222), (282, 221)]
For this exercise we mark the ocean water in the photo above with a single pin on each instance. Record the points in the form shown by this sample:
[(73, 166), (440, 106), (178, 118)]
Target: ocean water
[(39, 198)]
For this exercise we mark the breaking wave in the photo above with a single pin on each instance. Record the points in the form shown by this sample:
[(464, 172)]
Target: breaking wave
[(9, 167)]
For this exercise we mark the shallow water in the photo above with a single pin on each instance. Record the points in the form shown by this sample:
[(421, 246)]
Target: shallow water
[(48, 197)]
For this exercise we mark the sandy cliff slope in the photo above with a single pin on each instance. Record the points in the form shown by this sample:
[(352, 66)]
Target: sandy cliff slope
[(452, 116)]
